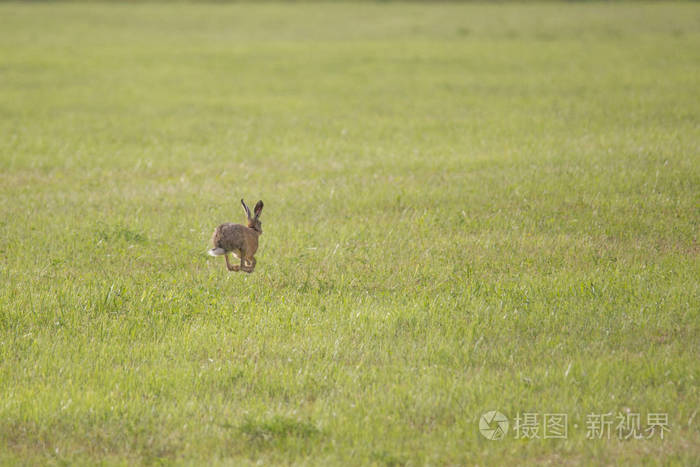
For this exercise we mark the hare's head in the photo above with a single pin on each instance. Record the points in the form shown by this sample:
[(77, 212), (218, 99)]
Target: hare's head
[(254, 220)]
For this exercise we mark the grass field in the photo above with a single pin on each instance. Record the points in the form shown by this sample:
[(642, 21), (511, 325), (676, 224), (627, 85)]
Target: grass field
[(467, 208)]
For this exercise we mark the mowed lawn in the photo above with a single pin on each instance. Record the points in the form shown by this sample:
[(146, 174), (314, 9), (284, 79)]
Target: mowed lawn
[(467, 208)]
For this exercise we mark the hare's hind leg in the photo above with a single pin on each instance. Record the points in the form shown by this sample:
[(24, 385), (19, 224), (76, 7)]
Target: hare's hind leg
[(248, 267), (230, 266)]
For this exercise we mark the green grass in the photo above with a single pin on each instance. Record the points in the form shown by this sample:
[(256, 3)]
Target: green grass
[(467, 208)]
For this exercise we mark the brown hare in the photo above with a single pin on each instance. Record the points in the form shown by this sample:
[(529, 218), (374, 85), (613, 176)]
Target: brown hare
[(239, 239)]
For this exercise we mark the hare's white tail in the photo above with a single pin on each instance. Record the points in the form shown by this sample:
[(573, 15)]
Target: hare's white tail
[(216, 252)]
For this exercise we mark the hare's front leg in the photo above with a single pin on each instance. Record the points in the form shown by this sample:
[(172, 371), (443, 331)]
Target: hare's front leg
[(248, 268), (230, 266)]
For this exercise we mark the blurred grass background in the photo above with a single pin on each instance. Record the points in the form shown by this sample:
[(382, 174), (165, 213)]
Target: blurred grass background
[(467, 208)]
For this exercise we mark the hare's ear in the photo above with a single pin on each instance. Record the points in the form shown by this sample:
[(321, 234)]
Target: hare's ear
[(247, 211), (258, 209)]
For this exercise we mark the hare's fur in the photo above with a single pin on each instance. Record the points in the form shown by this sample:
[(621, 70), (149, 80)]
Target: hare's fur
[(240, 240)]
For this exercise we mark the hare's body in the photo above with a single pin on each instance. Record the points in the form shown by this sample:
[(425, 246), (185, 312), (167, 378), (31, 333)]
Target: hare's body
[(240, 240)]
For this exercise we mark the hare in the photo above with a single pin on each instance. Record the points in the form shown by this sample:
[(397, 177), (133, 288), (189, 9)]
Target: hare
[(239, 239)]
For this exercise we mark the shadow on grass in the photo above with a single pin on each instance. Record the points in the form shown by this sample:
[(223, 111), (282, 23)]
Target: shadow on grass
[(107, 233), (277, 428)]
